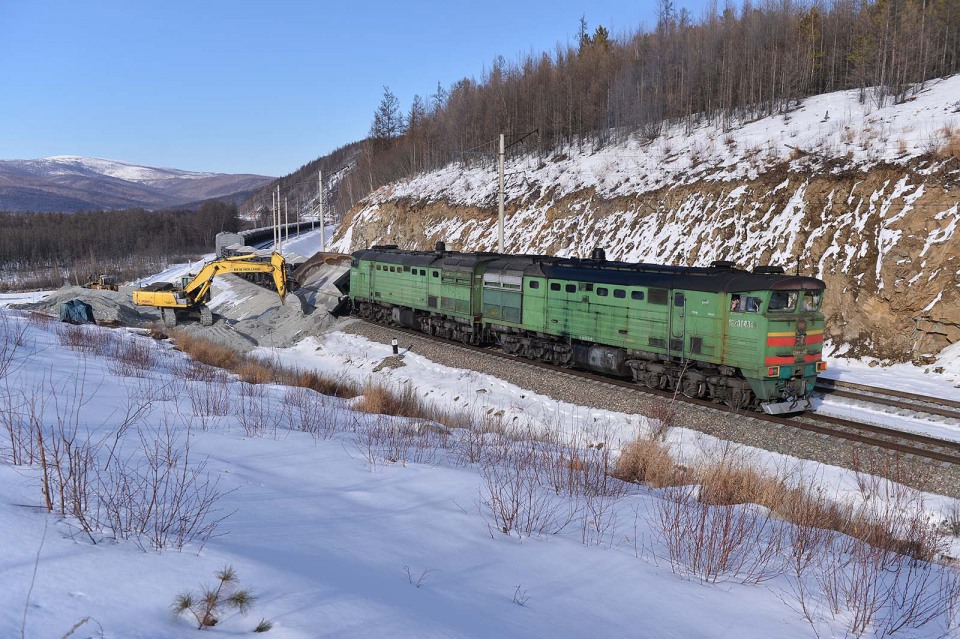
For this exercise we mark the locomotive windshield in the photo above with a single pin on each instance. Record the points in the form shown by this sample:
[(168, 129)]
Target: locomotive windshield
[(811, 300), (782, 301)]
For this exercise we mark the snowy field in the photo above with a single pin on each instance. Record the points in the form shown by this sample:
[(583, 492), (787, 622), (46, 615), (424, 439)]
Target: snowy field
[(335, 536)]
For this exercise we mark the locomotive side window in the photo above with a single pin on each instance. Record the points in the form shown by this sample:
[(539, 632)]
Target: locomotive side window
[(619, 293), (782, 301), (436, 273), (744, 304), (636, 295), (678, 300), (554, 286), (811, 301), (602, 292), (534, 284), (571, 288), (586, 286), (658, 296)]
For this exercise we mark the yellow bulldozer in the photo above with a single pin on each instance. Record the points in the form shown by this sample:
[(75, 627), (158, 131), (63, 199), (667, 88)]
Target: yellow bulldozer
[(189, 300), (102, 283)]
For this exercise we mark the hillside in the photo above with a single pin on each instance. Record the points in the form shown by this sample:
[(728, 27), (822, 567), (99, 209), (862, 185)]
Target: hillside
[(73, 183), (863, 197), (300, 188)]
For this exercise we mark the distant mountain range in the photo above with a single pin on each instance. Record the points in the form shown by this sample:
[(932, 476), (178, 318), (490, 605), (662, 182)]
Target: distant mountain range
[(74, 183)]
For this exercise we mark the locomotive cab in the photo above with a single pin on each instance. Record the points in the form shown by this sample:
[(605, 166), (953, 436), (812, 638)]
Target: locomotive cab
[(782, 329)]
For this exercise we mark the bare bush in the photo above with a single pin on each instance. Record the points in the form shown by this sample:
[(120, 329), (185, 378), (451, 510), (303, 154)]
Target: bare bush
[(715, 543), (157, 496), (514, 500), (192, 371), (951, 519), (254, 412), (309, 412), (132, 358), (210, 401), (399, 441), (663, 413), (86, 339)]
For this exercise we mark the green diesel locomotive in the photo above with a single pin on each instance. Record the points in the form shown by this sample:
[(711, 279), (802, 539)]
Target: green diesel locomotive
[(748, 339)]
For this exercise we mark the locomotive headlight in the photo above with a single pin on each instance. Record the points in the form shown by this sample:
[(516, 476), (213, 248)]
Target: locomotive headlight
[(821, 366), (773, 371)]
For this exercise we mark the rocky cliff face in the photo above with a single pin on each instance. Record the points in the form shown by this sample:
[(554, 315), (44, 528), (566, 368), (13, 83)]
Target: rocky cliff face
[(879, 230)]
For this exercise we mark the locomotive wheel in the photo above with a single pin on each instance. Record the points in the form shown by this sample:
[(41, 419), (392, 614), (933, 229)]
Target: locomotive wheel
[(693, 389)]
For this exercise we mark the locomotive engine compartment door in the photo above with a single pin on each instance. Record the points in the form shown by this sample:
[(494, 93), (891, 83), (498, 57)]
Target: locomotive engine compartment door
[(678, 325)]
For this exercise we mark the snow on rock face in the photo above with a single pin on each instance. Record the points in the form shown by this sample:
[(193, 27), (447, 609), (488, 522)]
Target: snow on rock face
[(869, 204)]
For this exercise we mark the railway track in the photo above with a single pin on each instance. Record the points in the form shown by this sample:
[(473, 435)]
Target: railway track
[(907, 444), (899, 401)]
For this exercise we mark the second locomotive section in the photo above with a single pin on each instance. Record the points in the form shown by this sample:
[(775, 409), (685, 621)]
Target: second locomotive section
[(749, 339)]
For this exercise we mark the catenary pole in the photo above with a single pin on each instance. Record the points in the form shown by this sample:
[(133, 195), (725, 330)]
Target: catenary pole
[(500, 199), (323, 228)]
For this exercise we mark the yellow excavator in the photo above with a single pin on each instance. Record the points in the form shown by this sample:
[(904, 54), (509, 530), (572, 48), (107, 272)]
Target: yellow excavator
[(190, 299)]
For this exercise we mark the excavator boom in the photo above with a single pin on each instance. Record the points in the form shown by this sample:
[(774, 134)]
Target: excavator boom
[(175, 301)]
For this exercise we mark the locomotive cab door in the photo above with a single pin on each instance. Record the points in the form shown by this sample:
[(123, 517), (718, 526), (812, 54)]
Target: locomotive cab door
[(678, 325)]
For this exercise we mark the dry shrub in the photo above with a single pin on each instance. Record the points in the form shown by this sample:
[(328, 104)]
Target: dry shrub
[(258, 371), (39, 319), (132, 358), (731, 481), (648, 460), (664, 413), (951, 144), (716, 543), (86, 339), (157, 332), (379, 399), (253, 371), (336, 387)]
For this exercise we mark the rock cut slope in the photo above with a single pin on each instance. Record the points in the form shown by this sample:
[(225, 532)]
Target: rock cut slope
[(864, 197)]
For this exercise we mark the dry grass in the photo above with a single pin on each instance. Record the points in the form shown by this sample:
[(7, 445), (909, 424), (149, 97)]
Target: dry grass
[(256, 371), (730, 481), (647, 460), (899, 526), (951, 144), (207, 352), (379, 399)]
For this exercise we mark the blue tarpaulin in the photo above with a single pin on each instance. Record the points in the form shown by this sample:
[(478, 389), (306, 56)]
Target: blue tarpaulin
[(76, 312)]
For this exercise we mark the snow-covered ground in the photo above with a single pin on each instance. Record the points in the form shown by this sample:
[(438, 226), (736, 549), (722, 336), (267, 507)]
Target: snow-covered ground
[(337, 543)]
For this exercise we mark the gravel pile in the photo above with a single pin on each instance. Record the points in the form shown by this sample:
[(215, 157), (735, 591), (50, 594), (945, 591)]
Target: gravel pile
[(108, 306), (738, 428)]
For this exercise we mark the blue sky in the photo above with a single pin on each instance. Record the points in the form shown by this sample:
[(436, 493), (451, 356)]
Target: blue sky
[(250, 87)]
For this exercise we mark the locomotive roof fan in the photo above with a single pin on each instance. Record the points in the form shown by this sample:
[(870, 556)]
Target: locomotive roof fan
[(440, 248), (598, 255)]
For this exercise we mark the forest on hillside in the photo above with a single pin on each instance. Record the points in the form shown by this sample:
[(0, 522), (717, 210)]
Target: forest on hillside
[(739, 60), (47, 250)]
